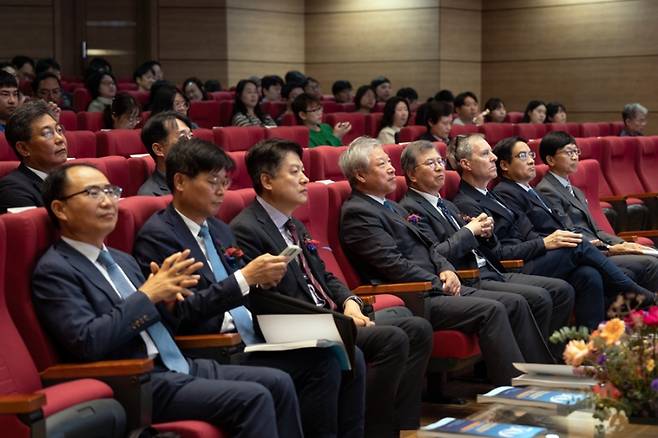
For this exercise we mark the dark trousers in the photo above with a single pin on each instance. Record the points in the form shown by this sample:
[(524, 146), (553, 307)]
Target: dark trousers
[(641, 268)]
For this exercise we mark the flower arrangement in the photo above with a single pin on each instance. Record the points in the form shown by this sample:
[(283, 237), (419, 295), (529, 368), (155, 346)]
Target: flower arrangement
[(233, 256), (621, 355), (413, 218), (311, 245)]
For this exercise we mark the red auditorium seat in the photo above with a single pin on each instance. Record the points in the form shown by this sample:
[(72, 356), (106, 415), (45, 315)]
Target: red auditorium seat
[(204, 134), (234, 202), (7, 167), (373, 122), (347, 107), (68, 120), (647, 166), (233, 138), (379, 107), (411, 133), (540, 171), (514, 117), (81, 144), (126, 86), (495, 132), (142, 97), (616, 127), (90, 121), (274, 109), (587, 180), (358, 121), (205, 113), (530, 130), (124, 142), (81, 99), (594, 129), (330, 106), (463, 129), (225, 112), (450, 185), (394, 152), (6, 152), (298, 134), (240, 176), (622, 156), (222, 95), (288, 120), (534, 146), (570, 127), (119, 171), (69, 86), (324, 163)]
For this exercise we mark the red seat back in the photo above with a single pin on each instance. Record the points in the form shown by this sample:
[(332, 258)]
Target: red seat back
[(221, 95), (592, 148), (274, 109), (126, 86), (234, 202), (330, 106), (373, 122), (534, 146), (205, 113), (6, 152), (411, 133), (118, 170), (622, 155), (7, 167), (124, 142), (514, 117), (68, 120), (81, 144), (81, 99), (648, 163), (450, 185), (530, 130), (298, 134), (495, 132), (571, 127), (204, 134), (133, 213), (587, 180), (288, 120), (324, 163), (142, 97), (240, 176), (540, 170), (400, 189), (233, 138), (357, 120), (594, 129), (616, 127), (90, 121), (463, 129), (225, 112), (394, 152)]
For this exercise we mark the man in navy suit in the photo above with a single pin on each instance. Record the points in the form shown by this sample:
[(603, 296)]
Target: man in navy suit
[(560, 254), (37, 138), (96, 305), (198, 174), (397, 349), (467, 245)]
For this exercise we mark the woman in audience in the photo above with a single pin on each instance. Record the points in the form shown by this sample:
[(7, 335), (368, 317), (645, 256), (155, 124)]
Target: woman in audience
[(194, 90), (364, 99), (535, 112), (122, 114), (103, 88), (308, 112), (246, 111), (97, 65), (396, 114), (556, 113), (170, 98), (497, 111), (289, 93)]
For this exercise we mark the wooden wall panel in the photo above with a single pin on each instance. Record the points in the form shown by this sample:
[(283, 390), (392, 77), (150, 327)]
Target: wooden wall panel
[(515, 4), (27, 29), (244, 69), (280, 6), (461, 34), (179, 70), (323, 6), (460, 76), (192, 34)]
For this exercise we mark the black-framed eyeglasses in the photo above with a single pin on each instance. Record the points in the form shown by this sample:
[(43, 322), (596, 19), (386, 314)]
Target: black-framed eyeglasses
[(433, 163), (523, 156), (572, 153), (97, 192), (314, 110)]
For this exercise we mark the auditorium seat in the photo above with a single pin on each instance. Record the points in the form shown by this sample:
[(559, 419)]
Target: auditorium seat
[(225, 112), (571, 127), (120, 172), (274, 109), (494, 132), (530, 130), (298, 134), (450, 184), (90, 121), (373, 123), (462, 130), (124, 142), (411, 133), (347, 107), (233, 138), (379, 107), (7, 167), (205, 113), (587, 180), (288, 120), (394, 152), (81, 144), (616, 127), (540, 171), (81, 99), (142, 97), (204, 134), (126, 86), (68, 120), (324, 163), (647, 166), (534, 146), (514, 117), (240, 176), (357, 120), (594, 129), (330, 106), (221, 95), (6, 151)]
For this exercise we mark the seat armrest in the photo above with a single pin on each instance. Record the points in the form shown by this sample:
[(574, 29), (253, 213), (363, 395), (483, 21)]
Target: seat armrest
[(105, 368), (368, 299), (468, 274), (646, 195), (612, 199), (512, 264), (631, 235), (218, 340), (21, 403), (392, 288)]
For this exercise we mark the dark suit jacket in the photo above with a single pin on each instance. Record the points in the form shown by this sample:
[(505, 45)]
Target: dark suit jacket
[(516, 198), (384, 247), (164, 234), (83, 313), (257, 234), (455, 245), (20, 188), (517, 237), (575, 209), (155, 185)]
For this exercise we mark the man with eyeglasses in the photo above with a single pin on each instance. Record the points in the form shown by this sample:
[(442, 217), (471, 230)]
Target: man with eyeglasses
[(198, 174), (308, 112), (159, 134), (468, 245), (559, 151), (97, 305), (39, 143)]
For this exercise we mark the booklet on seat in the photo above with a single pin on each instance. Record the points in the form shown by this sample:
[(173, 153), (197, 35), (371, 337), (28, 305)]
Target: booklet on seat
[(454, 427), (561, 402), (552, 376)]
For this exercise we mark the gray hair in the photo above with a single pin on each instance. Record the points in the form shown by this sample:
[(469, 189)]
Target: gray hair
[(461, 147), (408, 158), (357, 157), (632, 110)]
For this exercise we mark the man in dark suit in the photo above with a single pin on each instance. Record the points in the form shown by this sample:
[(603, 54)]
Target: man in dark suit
[(397, 349), (559, 150), (561, 254), (384, 246), (96, 305), (467, 245), (198, 174), (36, 136)]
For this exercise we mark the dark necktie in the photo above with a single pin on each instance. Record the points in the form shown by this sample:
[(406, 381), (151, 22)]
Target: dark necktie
[(493, 198), (240, 314), (447, 214), (568, 187), (536, 195), (389, 206), (311, 280), (169, 353)]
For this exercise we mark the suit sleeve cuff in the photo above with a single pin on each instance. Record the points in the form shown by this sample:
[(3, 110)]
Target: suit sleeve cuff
[(358, 301), (242, 282)]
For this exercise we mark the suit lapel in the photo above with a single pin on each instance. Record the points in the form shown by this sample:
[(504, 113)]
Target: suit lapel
[(577, 200), (485, 203), (429, 209)]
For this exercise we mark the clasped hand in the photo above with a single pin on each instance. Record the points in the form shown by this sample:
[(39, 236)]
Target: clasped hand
[(170, 281)]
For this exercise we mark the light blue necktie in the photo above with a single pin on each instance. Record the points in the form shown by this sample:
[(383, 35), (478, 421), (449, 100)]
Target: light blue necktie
[(169, 352), (239, 314)]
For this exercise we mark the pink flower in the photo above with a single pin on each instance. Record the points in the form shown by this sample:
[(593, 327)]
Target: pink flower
[(651, 317)]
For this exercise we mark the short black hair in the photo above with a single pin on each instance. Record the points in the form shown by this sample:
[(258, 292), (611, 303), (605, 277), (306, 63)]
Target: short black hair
[(43, 65), (266, 156), (212, 85), (530, 108), (552, 108), (503, 150), (339, 86), (295, 76), (288, 87), (97, 65), (123, 103), (42, 77), (7, 80), (196, 81), (445, 96), (492, 104), (270, 80), (20, 60), (193, 156), (156, 129), (434, 111), (19, 125), (378, 81), (363, 89), (407, 93), (552, 142), (54, 186), (302, 102), (142, 70), (389, 110), (460, 100), (93, 82)]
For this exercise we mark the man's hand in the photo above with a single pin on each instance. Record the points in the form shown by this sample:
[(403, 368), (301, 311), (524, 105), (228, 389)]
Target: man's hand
[(342, 128), (451, 283), (353, 310), (626, 248), (266, 270), (481, 226), (562, 239), (170, 281)]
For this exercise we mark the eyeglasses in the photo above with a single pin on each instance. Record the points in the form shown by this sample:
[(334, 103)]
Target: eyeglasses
[(314, 110), (185, 134), (217, 182), (523, 156), (572, 153), (434, 163), (97, 192), (49, 133)]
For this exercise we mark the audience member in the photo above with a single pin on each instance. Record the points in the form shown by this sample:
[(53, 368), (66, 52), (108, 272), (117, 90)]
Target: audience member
[(342, 91), (96, 305), (144, 77), (169, 98), (9, 68), (198, 174), (382, 88), (556, 113), (295, 76), (24, 66), (48, 65), (364, 99), (156, 68), (9, 97), (438, 120), (634, 116), (289, 93), (246, 110), (396, 350), (194, 90), (396, 115), (271, 86), (39, 143), (123, 113), (103, 88), (535, 112), (46, 86), (212, 85), (308, 112), (312, 87), (385, 246), (467, 109), (410, 95), (495, 110), (446, 96), (97, 65)]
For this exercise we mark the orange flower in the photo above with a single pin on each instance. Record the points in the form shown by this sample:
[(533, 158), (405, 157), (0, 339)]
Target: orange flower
[(575, 352), (612, 330)]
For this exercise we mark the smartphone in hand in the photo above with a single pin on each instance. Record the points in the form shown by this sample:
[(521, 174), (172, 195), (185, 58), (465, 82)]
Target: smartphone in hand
[(291, 252)]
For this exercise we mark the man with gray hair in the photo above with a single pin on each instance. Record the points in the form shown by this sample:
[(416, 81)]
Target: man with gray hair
[(384, 245), (634, 116), (471, 245)]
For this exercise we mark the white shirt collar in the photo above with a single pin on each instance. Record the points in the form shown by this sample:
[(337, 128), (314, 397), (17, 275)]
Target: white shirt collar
[(191, 225), (379, 199), (523, 186), (40, 174), (483, 191), (277, 217), (564, 181), (432, 199), (86, 249)]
